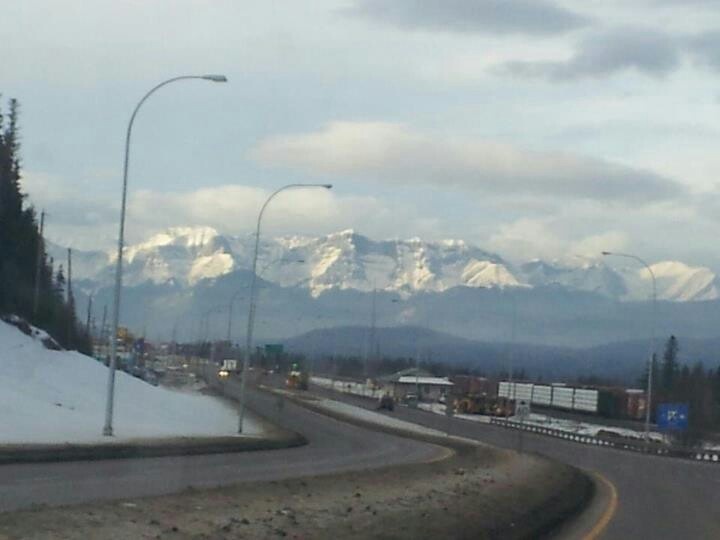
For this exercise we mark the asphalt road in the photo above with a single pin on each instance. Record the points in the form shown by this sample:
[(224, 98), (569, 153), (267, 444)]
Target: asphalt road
[(333, 446), (659, 498)]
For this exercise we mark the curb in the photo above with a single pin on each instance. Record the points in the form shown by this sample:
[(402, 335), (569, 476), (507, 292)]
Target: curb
[(53, 453)]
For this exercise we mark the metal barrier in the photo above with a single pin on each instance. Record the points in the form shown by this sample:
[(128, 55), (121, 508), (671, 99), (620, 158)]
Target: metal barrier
[(694, 454)]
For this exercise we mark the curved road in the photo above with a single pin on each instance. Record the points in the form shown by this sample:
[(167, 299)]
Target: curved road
[(659, 498), (333, 446)]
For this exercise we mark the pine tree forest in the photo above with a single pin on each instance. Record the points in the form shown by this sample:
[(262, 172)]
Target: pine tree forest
[(30, 285)]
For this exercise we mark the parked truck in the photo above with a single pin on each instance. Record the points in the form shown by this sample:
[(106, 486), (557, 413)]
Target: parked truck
[(228, 367)]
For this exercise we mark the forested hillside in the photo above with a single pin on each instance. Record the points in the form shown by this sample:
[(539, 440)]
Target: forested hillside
[(31, 285)]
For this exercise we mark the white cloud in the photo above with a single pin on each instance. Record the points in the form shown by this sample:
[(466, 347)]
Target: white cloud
[(525, 239), (393, 153), (89, 222), (548, 239), (592, 246)]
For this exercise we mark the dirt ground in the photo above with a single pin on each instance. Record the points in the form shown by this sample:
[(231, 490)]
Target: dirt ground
[(475, 493)]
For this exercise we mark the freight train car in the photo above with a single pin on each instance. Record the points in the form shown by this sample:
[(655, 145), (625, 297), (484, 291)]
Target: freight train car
[(609, 402)]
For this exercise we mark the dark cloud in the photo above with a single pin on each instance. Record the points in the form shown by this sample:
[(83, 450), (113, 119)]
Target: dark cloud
[(647, 51), (490, 16), (394, 154)]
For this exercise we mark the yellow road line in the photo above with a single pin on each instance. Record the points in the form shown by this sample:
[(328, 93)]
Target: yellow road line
[(446, 454), (609, 512)]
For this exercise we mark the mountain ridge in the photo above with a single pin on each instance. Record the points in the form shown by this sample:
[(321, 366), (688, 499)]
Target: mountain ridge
[(349, 260)]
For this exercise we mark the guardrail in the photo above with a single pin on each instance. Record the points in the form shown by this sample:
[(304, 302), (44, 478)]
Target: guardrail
[(709, 456)]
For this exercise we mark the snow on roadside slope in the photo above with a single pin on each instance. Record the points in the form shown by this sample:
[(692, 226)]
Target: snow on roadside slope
[(59, 397), (347, 387), (374, 417)]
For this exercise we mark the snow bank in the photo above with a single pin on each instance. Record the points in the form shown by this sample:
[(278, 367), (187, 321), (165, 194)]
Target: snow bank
[(373, 417), (440, 408), (355, 388), (58, 396), (586, 428)]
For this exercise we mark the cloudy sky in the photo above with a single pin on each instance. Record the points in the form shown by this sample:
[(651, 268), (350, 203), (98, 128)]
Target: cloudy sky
[(529, 127)]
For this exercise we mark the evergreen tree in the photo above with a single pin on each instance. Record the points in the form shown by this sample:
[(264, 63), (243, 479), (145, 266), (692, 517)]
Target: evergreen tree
[(59, 287), (22, 249)]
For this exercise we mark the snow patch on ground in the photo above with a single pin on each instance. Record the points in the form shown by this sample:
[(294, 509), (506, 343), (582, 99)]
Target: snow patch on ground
[(440, 408), (586, 428), (355, 388), (570, 426), (59, 397), (373, 417)]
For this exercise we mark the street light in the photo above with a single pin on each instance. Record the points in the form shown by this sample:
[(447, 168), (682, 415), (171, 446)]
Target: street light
[(253, 287), (652, 339), (108, 428)]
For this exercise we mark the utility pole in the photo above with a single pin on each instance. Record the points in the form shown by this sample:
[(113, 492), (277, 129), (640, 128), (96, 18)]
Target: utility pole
[(371, 338), (69, 298), (69, 276), (417, 373), (89, 314), (38, 264), (173, 338), (103, 335)]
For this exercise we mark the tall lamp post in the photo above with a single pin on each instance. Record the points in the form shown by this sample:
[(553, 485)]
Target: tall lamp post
[(253, 288), (648, 408), (108, 428)]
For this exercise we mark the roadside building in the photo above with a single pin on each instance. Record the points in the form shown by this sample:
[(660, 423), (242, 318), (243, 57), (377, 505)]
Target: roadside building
[(385, 383), (426, 388)]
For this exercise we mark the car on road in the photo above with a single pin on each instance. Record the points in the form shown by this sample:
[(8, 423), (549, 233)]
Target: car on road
[(386, 402)]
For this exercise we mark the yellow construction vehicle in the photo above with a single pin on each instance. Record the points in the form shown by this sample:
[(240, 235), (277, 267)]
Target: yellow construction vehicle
[(297, 380), (491, 406)]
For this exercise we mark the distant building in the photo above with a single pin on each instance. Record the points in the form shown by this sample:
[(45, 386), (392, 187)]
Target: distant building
[(414, 382)]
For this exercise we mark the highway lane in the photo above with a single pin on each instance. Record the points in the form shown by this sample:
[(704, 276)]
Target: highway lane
[(659, 498), (333, 446)]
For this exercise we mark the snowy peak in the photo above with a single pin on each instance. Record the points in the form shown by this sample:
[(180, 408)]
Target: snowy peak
[(680, 282), (193, 238), (347, 260), (181, 254), (593, 277), (676, 281), (488, 274)]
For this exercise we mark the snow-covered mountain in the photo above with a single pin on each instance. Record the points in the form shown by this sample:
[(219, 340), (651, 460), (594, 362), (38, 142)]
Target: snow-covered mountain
[(350, 261), (593, 277), (680, 282)]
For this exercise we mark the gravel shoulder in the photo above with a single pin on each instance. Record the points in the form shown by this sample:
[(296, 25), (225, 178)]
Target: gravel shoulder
[(476, 493)]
